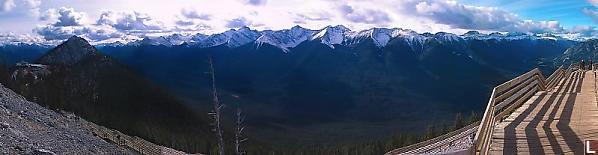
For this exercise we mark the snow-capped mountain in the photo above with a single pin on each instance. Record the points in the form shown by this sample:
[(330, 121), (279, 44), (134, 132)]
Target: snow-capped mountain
[(168, 40), (380, 36), (285, 39), (178, 39), (197, 38), (330, 36), (231, 38), (161, 40)]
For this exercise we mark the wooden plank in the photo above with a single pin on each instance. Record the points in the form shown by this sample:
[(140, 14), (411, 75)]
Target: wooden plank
[(575, 118)]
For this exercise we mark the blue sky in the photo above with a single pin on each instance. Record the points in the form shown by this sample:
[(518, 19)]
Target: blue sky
[(568, 12), (112, 20)]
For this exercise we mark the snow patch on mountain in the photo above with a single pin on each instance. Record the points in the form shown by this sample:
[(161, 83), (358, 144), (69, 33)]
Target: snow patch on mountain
[(332, 35), (285, 39), (412, 38), (380, 36), (231, 38)]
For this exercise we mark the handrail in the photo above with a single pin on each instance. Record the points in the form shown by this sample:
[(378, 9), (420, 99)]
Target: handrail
[(506, 97), (553, 79), (433, 140)]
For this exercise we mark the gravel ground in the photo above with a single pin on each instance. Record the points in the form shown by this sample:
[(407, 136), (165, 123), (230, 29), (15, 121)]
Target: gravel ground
[(27, 128)]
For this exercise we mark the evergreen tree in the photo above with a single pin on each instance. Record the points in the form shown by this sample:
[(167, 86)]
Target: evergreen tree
[(430, 131), (473, 117), (459, 122)]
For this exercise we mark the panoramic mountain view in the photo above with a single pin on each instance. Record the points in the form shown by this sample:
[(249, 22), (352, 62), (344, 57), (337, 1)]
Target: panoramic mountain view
[(295, 77)]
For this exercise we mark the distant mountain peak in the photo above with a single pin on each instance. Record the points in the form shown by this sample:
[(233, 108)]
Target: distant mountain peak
[(244, 28), (70, 52), (472, 33), (284, 39), (380, 36), (297, 27), (330, 36), (231, 38), (77, 39)]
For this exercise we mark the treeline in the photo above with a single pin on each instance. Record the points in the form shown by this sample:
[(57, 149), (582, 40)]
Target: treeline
[(4, 75), (375, 147)]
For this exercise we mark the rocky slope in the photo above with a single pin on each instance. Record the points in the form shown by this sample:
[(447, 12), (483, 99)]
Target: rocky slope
[(27, 128)]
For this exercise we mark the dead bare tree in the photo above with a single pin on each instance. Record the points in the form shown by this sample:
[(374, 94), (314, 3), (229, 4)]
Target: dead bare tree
[(217, 111), (239, 138)]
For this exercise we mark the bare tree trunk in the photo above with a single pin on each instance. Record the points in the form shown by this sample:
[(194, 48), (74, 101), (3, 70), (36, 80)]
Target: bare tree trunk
[(216, 113), (239, 132)]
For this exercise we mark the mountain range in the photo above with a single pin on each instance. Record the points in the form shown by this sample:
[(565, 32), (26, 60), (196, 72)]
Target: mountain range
[(330, 35), (346, 85), (302, 88)]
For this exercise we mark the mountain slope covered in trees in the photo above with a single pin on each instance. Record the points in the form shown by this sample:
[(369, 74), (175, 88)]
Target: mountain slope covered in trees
[(75, 77), (324, 95)]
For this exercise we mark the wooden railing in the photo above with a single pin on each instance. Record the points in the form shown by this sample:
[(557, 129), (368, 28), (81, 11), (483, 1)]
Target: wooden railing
[(134, 143), (504, 100), (430, 144), (508, 96), (556, 76)]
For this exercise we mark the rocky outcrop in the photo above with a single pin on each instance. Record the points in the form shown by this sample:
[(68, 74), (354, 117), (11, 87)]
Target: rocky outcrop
[(28, 128), (72, 51)]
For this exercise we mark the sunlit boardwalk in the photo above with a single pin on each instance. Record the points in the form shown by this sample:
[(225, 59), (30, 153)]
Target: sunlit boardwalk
[(529, 114), (551, 122)]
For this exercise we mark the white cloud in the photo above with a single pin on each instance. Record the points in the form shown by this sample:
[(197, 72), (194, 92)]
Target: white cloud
[(238, 22), (539, 26), (49, 15), (185, 23), (8, 38), (130, 21), (461, 16), (30, 7), (591, 12), (210, 17), (93, 33), (583, 29), (367, 16), (6, 5), (33, 6), (256, 2), (66, 22), (193, 14), (68, 17)]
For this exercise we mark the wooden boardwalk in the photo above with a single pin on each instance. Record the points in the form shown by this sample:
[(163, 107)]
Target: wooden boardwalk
[(552, 122)]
